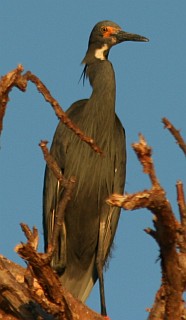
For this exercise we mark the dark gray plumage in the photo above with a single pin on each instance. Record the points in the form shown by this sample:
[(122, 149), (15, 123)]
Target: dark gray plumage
[(90, 223)]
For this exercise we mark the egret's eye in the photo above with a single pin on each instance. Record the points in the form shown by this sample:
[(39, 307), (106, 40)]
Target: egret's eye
[(104, 29)]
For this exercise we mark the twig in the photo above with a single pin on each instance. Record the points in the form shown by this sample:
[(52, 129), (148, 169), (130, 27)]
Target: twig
[(59, 225), (31, 235), (52, 164), (181, 202), (181, 232), (7, 82), (59, 112), (59, 215), (176, 134), (16, 79), (151, 232), (144, 154)]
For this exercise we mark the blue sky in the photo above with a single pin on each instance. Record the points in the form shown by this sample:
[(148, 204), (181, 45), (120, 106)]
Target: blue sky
[(50, 39)]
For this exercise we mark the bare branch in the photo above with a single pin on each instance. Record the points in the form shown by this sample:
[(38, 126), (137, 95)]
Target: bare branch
[(144, 154), (52, 164), (53, 297), (166, 233), (68, 185), (59, 112), (176, 134), (158, 309), (181, 232), (181, 202), (36, 292), (59, 225), (16, 79), (7, 82)]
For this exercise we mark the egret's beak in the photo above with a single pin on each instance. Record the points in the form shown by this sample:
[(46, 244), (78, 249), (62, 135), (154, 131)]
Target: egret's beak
[(126, 36)]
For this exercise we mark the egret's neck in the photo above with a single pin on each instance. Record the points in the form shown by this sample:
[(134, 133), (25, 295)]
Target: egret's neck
[(100, 108), (102, 79)]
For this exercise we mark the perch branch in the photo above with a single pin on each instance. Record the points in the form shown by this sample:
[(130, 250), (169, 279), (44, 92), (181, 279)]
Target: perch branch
[(15, 298), (54, 299), (36, 292)]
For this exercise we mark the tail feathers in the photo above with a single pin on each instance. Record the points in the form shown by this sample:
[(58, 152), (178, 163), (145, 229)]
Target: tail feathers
[(81, 282)]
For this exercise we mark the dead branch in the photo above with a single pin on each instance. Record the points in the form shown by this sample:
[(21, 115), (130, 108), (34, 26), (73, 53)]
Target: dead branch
[(53, 298), (68, 185), (158, 309), (59, 225), (15, 299), (59, 112), (181, 234), (52, 164), (169, 234), (181, 202), (176, 134), (144, 154), (10, 80), (15, 78), (36, 292)]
